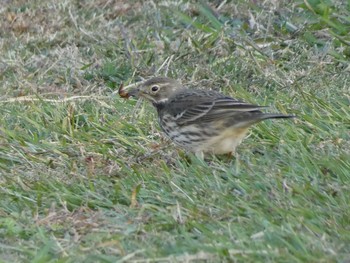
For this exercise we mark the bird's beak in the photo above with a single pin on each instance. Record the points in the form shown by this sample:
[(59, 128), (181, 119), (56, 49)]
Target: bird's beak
[(135, 92), (130, 91)]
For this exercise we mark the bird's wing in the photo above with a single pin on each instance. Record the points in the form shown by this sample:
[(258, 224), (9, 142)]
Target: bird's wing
[(204, 109)]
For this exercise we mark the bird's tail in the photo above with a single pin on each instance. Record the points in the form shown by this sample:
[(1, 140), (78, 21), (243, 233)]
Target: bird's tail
[(250, 118), (265, 116)]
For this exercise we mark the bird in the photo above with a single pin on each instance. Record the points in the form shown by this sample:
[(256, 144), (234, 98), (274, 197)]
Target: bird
[(200, 121)]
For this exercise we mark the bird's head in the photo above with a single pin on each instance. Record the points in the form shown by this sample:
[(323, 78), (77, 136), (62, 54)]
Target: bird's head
[(157, 90)]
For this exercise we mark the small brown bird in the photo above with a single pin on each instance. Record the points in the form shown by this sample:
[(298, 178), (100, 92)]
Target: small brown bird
[(201, 121)]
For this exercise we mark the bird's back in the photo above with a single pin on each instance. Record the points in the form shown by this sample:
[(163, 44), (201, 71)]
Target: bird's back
[(208, 121)]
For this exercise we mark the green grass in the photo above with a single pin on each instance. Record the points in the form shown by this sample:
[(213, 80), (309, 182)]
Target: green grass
[(88, 177)]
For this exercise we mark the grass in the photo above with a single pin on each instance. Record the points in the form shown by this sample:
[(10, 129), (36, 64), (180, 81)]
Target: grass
[(88, 177)]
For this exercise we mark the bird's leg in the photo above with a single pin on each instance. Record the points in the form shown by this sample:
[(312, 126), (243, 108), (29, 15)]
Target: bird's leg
[(237, 164), (230, 154)]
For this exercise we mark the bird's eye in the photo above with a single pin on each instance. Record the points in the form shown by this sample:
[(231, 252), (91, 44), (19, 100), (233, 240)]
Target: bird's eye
[(155, 88)]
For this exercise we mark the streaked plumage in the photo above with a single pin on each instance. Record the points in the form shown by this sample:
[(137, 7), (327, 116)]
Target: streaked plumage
[(201, 121)]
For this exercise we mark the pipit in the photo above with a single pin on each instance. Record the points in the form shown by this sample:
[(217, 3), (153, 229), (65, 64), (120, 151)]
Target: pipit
[(201, 121)]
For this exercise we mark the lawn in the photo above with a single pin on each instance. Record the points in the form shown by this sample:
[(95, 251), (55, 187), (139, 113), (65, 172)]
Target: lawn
[(86, 176)]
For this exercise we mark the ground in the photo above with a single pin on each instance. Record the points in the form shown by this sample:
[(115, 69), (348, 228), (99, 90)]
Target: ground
[(86, 176)]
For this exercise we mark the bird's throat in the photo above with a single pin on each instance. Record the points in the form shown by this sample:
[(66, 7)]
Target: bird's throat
[(159, 105)]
